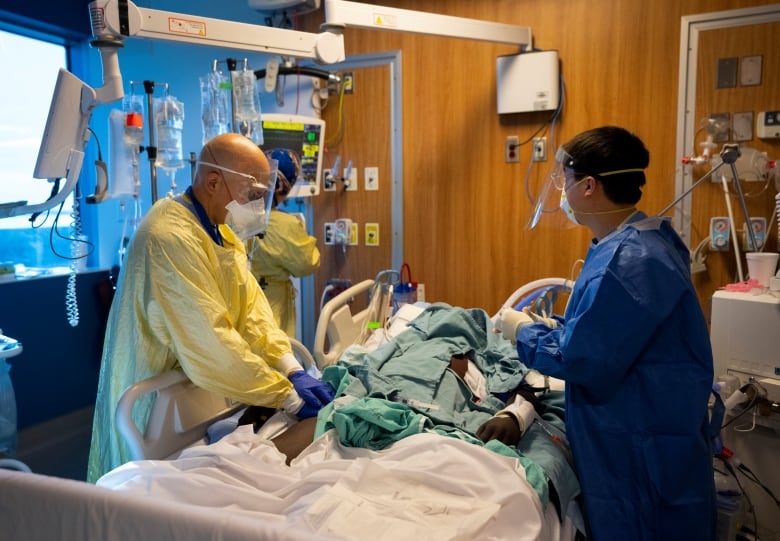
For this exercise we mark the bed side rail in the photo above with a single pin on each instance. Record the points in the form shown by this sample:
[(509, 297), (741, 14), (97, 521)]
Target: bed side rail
[(339, 325), (181, 412)]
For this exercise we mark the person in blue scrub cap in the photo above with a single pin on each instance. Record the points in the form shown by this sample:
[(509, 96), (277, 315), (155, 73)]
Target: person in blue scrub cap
[(634, 350), (285, 249)]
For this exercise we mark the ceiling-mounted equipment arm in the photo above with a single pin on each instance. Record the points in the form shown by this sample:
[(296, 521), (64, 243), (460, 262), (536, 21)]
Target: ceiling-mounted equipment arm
[(340, 13), (117, 19), (303, 70)]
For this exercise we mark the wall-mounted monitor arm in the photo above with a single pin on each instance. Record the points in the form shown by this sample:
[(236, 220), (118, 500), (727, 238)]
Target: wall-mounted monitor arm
[(115, 19), (340, 13)]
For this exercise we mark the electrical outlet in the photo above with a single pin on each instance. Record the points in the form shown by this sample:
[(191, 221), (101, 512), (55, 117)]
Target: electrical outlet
[(328, 181), (539, 149), (372, 234), (512, 149), (371, 176), (348, 80), (330, 229)]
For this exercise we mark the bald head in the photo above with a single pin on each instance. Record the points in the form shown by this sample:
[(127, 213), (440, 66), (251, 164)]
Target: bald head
[(212, 186)]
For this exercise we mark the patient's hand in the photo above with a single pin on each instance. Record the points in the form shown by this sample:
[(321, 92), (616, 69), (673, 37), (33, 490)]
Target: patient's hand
[(503, 428)]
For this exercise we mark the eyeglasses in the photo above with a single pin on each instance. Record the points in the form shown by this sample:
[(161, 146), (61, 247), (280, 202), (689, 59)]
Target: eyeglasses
[(562, 178), (254, 190)]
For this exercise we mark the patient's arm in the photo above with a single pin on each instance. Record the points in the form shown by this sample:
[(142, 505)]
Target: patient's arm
[(295, 439)]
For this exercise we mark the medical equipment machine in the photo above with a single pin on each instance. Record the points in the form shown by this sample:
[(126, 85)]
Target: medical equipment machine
[(303, 135), (746, 353)]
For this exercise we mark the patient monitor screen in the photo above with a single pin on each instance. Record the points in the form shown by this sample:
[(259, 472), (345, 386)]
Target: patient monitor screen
[(304, 136)]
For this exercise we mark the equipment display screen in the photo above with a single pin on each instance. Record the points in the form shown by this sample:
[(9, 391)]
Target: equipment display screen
[(304, 136)]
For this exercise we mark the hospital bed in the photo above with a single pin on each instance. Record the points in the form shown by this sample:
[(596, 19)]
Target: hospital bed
[(424, 485)]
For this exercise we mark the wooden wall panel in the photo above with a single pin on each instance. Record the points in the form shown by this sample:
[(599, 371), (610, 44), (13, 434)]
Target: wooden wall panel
[(364, 138), (464, 208)]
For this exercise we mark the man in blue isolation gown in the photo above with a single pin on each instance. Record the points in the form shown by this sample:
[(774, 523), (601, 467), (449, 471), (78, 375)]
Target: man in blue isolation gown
[(633, 349)]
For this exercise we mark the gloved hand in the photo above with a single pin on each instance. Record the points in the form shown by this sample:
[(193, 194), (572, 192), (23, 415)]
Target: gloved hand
[(510, 321), (314, 393), (550, 322)]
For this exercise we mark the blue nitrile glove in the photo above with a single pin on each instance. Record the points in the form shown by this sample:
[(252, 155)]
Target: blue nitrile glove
[(314, 393)]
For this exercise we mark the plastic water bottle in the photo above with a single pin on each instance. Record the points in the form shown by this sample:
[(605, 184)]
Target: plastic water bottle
[(7, 411)]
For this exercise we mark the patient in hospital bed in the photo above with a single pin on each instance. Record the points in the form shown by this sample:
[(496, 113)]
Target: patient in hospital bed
[(441, 369)]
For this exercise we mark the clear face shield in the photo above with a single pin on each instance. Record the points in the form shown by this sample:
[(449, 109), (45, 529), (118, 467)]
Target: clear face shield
[(250, 208), (561, 176)]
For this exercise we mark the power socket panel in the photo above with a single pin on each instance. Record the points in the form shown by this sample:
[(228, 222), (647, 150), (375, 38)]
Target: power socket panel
[(539, 149)]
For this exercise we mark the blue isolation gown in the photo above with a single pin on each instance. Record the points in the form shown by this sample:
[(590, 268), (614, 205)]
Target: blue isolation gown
[(634, 351)]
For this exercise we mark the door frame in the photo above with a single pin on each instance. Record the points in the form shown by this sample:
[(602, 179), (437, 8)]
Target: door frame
[(691, 27)]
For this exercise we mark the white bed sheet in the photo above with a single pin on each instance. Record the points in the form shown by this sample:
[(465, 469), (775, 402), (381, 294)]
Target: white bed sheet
[(425, 487)]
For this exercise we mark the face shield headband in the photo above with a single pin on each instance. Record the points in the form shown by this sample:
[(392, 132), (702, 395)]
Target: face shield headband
[(563, 172)]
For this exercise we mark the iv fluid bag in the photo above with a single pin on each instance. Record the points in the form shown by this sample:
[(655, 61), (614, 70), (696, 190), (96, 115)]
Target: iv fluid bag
[(215, 94), (244, 91), (122, 160), (133, 127), (169, 120)]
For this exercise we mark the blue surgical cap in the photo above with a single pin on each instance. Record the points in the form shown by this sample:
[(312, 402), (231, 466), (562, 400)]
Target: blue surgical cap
[(287, 165)]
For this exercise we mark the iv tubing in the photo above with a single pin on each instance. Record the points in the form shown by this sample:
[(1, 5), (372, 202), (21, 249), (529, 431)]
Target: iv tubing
[(734, 238)]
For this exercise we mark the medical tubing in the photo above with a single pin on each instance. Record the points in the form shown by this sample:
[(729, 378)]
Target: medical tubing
[(734, 238), (532, 286)]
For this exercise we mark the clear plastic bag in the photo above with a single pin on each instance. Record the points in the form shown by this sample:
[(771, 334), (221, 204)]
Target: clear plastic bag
[(7, 411)]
